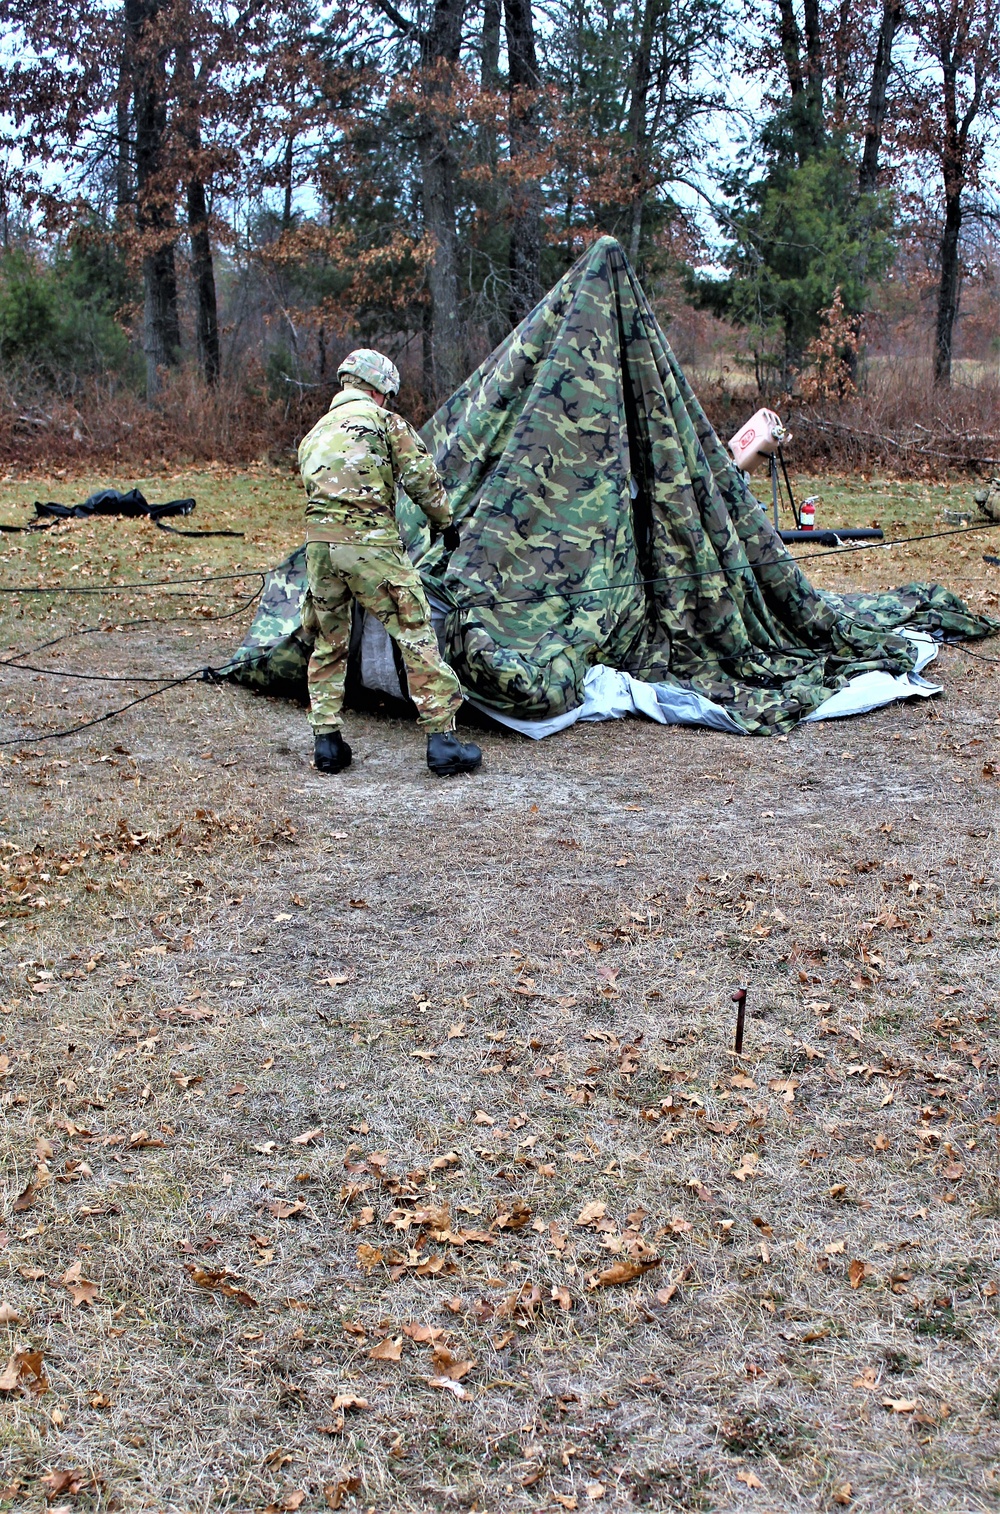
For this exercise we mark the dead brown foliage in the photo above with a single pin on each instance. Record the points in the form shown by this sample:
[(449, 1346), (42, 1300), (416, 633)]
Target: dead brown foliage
[(901, 421), (107, 423), (896, 419), (392, 1128)]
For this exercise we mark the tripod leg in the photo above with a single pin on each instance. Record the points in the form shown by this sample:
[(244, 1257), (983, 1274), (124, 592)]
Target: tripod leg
[(791, 497)]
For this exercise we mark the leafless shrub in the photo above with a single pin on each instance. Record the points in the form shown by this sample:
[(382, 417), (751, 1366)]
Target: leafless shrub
[(896, 419)]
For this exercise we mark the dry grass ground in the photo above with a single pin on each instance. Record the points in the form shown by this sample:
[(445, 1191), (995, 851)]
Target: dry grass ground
[(333, 1108)]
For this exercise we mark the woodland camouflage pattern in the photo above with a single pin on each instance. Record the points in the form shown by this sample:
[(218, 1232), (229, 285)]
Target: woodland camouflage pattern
[(385, 583), (988, 499), (372, 368), (275, 654), (602, 521), (351, 463)]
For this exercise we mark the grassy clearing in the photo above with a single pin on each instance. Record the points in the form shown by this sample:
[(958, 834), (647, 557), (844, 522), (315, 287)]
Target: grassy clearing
[(332, 1088)]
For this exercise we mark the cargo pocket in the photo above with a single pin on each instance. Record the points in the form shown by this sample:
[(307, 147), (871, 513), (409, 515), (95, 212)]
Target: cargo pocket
[(310, 620), (412, 612)]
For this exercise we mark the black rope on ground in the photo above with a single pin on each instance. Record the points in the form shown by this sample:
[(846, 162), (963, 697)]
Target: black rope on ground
[(30, 667), (147, 620), (209, 674), (687, 574), (979, 656), (85, 725), (205, 674)]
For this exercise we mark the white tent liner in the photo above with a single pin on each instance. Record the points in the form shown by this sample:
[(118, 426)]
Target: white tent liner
[(611, 695)]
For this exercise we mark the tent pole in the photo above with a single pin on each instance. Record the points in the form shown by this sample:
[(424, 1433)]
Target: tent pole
[(788, 485)]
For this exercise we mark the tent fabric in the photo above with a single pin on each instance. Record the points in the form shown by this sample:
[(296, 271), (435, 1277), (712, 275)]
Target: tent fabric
[(274, 654), (604, 524), (612, 695)]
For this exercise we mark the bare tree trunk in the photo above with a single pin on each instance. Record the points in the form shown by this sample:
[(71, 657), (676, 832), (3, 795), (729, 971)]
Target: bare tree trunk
[(791, 46), (805, 77), (4, 213), (490, 62), (868, 172), (495, 196), (814, 73), (637, 133), (123, 97), (526, 200), (439, 218), (202, 263), (427, 353), (439, 49), (842, 52), (954, 149), (892, 15), (947, 307), (286, 179), (288, 166), (203, 275), (161, 336), (964, 42)]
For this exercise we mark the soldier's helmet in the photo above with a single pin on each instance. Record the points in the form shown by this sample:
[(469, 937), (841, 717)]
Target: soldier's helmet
[(371, 368)]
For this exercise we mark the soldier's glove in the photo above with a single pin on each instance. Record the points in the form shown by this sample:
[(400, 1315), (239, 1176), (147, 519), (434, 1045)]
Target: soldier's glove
[(451, 538)]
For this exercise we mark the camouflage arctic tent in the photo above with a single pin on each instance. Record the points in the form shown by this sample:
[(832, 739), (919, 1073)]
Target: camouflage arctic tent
[(603, 523)]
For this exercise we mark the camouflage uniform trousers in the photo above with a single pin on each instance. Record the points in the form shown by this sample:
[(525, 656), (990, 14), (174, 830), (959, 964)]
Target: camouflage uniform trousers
[(385, 583)]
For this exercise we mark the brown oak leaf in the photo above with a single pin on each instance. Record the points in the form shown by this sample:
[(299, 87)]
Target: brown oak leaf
[(624, 1270), (514, 1216), (284, 1209), (447, 1364), (423, 1334), (219, 1282), (858, 1271), (336, 1492), (59, 1482), (592, 1212), (388, 1350), (24, 1370), (25, 1199)]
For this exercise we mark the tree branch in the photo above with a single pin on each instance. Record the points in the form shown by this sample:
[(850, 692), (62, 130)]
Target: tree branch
[(399, 21), (226, 37)]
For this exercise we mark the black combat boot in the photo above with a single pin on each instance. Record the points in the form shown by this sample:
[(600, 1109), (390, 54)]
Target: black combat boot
[(333, 754), (447, 756)]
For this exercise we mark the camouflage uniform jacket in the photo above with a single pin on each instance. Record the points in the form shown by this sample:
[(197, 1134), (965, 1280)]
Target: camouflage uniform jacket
[(352, 462)]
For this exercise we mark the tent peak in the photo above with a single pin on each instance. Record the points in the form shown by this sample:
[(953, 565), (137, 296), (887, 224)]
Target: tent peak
[(604, 247)]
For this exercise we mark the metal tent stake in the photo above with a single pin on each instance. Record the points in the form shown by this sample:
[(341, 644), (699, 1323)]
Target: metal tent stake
[(740, 1000)]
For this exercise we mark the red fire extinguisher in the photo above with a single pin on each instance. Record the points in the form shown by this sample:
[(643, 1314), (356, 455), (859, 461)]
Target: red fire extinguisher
[(807, 513)]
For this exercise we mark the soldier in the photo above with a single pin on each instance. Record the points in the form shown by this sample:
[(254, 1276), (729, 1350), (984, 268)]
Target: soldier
[(351, 462)]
